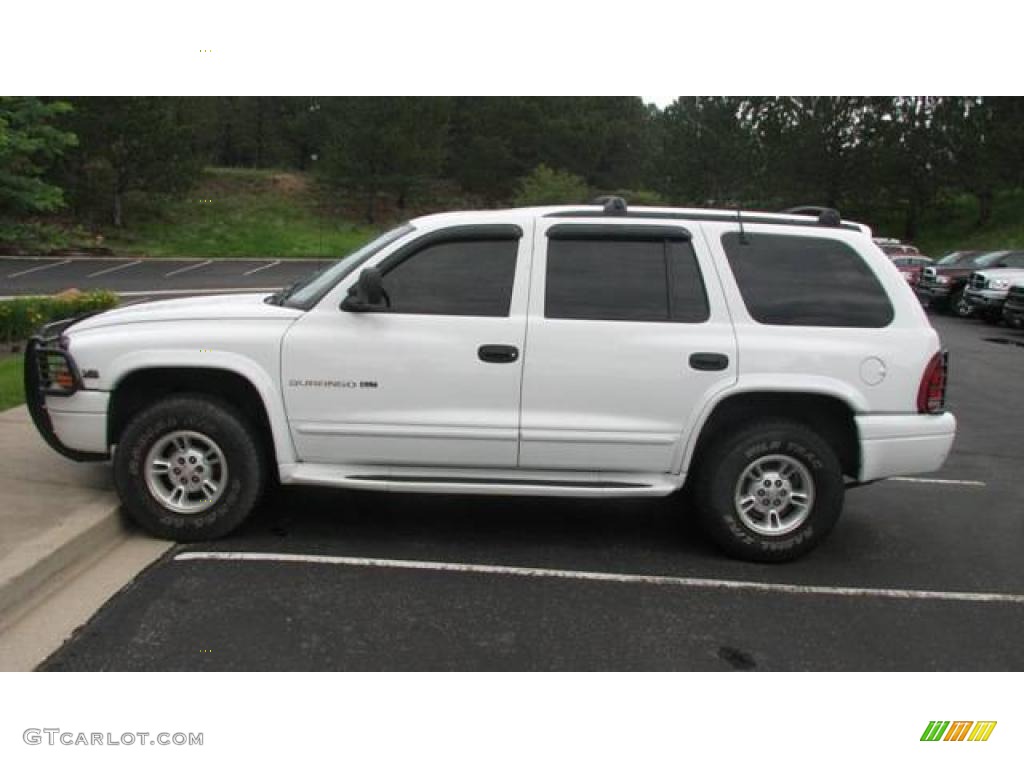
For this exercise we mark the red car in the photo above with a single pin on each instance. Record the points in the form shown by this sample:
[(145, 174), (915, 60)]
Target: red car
[(908, 260), (911, 267)]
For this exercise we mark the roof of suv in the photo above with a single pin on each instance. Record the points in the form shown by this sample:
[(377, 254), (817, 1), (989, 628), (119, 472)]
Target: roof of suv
[(647, 212)]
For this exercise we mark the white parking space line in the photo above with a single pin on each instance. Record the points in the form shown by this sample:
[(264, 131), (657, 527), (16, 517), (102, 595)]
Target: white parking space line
[(40, 268), (621, 578), (189, 268), (260, 269), (114, 269), (937, 481)]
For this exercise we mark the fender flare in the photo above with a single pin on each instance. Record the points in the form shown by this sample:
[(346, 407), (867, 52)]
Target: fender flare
[(265, 386), (768, 384)]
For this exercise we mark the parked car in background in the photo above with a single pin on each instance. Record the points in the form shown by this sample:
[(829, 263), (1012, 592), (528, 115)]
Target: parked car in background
[(1013, 309), (942, 285), (987, 289), (911, 267), (894, 248)]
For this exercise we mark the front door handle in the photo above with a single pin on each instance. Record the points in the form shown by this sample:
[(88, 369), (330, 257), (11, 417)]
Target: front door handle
[(709, 361), (498, 353)]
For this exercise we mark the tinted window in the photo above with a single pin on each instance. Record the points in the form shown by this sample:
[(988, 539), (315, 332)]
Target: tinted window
[(955, 257), (806, 281), (988, 259), (642, 280), (466, 277), (1014, 260)]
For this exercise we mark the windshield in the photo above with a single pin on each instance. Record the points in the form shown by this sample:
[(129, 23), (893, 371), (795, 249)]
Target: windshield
[(308, 292), (989, 258), (954, 257)]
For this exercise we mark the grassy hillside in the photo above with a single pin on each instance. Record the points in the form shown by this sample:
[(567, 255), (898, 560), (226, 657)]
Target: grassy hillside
[(279, 214), (952, 226), (236, 212)]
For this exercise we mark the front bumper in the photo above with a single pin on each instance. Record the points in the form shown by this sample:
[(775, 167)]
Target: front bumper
[(986, 300), (1013, 314), (903, 444), (72, 422), (929, 292)]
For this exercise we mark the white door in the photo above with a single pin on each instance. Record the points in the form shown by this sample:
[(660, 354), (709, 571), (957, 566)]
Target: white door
[(625, 340), (432, 381)]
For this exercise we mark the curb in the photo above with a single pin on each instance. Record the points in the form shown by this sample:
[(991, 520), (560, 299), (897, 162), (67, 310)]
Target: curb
[(31, 570)]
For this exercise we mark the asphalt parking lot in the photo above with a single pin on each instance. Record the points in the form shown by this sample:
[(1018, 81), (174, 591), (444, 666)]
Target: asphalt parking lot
[(916, 576), (137, 278)]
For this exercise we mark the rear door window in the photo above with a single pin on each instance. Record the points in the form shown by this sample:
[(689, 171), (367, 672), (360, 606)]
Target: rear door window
[(621, 279)]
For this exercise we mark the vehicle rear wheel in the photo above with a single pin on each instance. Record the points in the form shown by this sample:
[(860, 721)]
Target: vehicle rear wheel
[(188, 468), (770, 492), (959, 305)]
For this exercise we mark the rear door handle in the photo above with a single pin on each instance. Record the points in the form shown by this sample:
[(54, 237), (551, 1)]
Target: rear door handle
[(498, 353), (709, 361)]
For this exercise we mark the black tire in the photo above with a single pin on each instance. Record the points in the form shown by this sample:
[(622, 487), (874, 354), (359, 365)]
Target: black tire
[(959, 306), (211, 418), (719, 473)]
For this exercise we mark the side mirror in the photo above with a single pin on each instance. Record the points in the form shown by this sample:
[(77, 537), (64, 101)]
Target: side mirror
[(367, 294)]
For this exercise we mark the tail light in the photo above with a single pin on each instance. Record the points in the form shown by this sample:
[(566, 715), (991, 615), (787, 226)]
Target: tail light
[(931, 395)]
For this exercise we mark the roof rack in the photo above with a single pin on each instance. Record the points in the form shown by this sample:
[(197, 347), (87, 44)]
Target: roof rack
[(830, 220)]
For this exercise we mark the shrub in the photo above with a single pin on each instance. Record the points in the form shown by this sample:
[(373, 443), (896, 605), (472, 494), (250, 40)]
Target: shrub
[(20, 318), (546, 186)]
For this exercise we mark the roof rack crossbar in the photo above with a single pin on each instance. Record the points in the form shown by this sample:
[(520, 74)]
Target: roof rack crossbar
[(827, 217), (612, 205)]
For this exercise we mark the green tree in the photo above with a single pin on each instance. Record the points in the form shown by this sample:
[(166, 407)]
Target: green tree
[(383, 145), (609, 141), (30, 142), (812, 147), (984, 139), (908, 160), (131, 144), (545, 186), (710, 154)]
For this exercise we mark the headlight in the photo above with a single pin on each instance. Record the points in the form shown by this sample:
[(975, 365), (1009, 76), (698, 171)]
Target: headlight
[(941, 280), (55, 372), (999, 284)]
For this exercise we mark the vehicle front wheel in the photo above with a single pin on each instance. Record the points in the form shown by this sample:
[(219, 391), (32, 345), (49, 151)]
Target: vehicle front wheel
[(188, 468), (959, 305), (770, 492)]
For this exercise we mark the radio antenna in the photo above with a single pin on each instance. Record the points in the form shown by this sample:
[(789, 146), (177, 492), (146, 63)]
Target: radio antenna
[(739, 220)]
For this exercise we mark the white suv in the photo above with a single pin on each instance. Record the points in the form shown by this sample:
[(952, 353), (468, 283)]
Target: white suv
[(763, 361)]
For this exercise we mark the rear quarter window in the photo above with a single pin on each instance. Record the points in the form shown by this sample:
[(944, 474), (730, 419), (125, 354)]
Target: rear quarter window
[(809, 281)]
